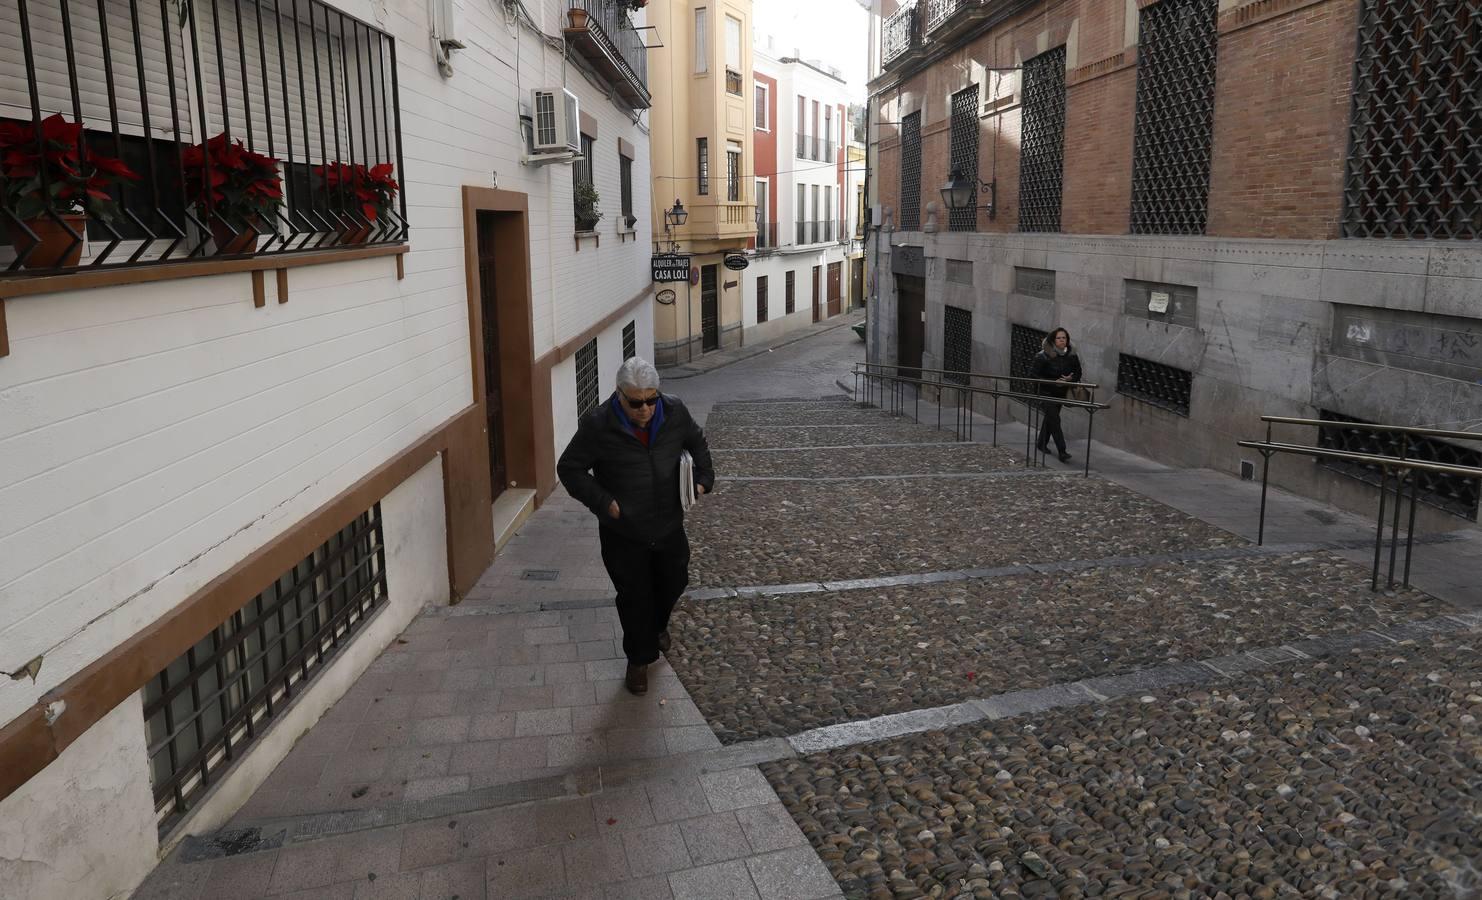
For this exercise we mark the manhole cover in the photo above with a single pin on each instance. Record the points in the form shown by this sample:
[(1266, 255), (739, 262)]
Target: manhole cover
[(541, 574)]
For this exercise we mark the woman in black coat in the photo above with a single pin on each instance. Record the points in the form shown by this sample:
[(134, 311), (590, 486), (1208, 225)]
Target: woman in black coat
[(1056, 361)]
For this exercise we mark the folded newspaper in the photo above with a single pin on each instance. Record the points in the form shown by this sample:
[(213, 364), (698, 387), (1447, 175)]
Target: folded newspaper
[(686, 480)]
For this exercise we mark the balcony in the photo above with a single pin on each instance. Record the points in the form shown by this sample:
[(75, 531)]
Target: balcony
[(828, 154), (262, 130), (819, 232), (601, 32), (733, 82), (802, 146), (766, 235), (947, 18), (901, 36)]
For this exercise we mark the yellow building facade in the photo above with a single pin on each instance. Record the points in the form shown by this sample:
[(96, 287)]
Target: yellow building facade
[(701, 139)]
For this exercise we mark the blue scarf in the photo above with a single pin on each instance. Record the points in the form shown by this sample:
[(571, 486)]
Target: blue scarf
[(653, 424)]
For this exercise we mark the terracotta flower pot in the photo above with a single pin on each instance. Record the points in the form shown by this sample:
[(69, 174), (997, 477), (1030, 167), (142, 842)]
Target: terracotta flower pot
[(356, 235), (230, 241), (55, 248), (578, 18)]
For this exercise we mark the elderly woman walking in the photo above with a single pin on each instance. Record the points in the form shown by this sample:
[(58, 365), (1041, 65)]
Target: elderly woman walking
[(624, 465), (1056, 362)]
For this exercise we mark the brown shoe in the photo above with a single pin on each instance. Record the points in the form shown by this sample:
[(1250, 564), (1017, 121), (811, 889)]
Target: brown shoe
[(636, 679), (665, 642)]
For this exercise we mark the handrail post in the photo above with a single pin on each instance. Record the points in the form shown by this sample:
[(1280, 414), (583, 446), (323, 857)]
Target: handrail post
[(1265, 480), (1394, 530), (1090, 430), (1410, 529), (1379, 535)]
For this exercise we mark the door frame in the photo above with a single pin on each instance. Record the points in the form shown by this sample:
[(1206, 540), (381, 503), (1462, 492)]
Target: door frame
[(527, 414)]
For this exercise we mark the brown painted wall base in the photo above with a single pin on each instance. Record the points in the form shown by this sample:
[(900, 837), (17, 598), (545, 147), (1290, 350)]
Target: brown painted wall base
[(28, 744)]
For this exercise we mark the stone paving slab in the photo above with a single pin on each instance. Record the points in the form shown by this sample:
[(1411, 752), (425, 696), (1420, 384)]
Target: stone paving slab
[(763, 417), (784, 533), (773, 666), (785, 437), (1351, 776), (927, 459)]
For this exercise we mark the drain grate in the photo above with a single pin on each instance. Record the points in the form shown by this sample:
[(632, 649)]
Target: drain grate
[(228, 842), (540, 575)]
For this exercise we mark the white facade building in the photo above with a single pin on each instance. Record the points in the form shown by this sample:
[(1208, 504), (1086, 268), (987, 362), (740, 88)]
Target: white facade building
[(798, 272), (331, 428)]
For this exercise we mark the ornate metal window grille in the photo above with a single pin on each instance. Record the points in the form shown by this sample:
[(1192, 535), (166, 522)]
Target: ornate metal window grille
[(1453, 493), (761, 299), (702, 163), (211, 703), (1042, 153), (791, 300), (1416, 133), (957, 344), (630, 340), (586, 377), (965, 155), (1175, 117), (1151, 382), (910, 211), (625, 181), (1024, 345)]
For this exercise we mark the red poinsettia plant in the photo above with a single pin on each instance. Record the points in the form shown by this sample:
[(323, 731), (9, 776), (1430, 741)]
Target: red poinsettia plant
[(231, 181), (373, 188), (59, 173)]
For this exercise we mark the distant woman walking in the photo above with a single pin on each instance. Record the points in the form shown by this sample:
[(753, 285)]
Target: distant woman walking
[(1056, 361)]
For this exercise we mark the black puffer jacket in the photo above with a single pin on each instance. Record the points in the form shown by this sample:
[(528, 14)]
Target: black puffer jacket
[(1052, 366), (605, 462)]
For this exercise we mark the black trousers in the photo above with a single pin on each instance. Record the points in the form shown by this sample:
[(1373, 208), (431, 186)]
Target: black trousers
[(649, 578), (1049, 426)]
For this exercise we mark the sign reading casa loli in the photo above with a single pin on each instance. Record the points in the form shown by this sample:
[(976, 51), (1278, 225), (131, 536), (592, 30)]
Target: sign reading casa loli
[(671, 267)]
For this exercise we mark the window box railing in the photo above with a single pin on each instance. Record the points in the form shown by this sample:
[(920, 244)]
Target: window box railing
[(802, 146), (733, 82), (766, 235), (602, 33), (900, 35), (301, 94)]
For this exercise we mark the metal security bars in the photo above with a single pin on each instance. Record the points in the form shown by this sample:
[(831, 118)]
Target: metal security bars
[(1162, 386), (1415, 146), (1175, 117), (900, 34), (1042, 153), (702, 164), (606, 39), (790, 299), (586, 377), (909, 217), (204, 710), (761, 299), (957, 344), (630, 340), (1025, 343), (965, 155), (173, 113), (1455, 494)]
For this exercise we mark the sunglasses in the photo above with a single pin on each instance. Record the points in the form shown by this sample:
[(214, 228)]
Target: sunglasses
[(639, 404)]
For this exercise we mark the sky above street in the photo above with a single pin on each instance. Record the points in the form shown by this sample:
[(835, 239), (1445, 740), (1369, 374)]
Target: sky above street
[(835, 32)]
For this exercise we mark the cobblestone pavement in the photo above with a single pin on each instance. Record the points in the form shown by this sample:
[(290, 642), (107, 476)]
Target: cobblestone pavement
[(919, 460), (767, 436)]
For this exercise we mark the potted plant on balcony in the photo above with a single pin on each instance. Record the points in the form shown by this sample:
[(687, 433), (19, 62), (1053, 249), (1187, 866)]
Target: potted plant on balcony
[(587, 213), (51, 182), (576, 16), (242, 192), (372, 188)]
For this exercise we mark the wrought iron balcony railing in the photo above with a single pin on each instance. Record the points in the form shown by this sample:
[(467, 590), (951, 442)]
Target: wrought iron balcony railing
[(802, 146), (601, 31), (766, 235), (142, 134), (900, 35)]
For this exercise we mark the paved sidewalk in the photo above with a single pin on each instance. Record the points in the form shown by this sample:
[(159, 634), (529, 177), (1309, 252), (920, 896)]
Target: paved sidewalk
[(719, 359)]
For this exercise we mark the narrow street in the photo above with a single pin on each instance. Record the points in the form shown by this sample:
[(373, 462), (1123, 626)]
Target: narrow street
[(906, 667)]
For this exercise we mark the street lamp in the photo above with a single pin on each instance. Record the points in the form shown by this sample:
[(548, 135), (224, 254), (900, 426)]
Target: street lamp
[(674, 218), (957, 193)]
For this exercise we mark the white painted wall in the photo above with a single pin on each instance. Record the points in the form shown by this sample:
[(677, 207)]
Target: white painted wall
[(84, 828), (609, 359)]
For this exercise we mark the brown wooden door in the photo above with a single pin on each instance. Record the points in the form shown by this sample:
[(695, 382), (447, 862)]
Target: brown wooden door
[(493, 393), (856, 282), (910, 324), (709, 310), (835, 286), (817, 293)]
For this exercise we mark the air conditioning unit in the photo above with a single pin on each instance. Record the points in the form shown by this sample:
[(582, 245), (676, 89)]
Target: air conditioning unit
[(557, 121)]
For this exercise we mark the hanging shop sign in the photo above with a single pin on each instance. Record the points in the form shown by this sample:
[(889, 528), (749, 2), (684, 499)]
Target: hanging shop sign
[(736, 262), (671, 267)]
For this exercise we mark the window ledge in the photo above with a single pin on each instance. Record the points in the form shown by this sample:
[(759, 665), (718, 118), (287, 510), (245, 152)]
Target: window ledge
[(578, 236), (118, 276)]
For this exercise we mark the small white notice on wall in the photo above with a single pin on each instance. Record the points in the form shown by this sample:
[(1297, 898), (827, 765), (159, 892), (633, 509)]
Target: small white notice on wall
[(1158, 302)]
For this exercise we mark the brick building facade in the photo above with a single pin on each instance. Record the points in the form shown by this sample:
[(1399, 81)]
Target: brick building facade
[(1294, 178)]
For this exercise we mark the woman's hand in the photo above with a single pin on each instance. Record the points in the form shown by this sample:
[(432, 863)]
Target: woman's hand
[(613, 510)]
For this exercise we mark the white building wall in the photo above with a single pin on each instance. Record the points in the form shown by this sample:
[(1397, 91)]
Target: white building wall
[(609, 359)]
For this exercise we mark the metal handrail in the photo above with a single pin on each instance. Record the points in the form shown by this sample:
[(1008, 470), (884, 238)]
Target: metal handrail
[(990, 375), (964, 423), (1401, 465)]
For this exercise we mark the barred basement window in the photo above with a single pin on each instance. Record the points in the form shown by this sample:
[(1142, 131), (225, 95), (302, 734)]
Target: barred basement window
[(1042, 154), (208, 706), (1162, 386), (965, 155), (1175, 117), (761, 299), (1025, 344), (630, 340), (909, 218), (957, 344), (1416, 134), (586, 377), (1453, 493)]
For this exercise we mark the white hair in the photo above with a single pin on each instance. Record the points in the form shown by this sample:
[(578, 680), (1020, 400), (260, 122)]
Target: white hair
[(638, 374)]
